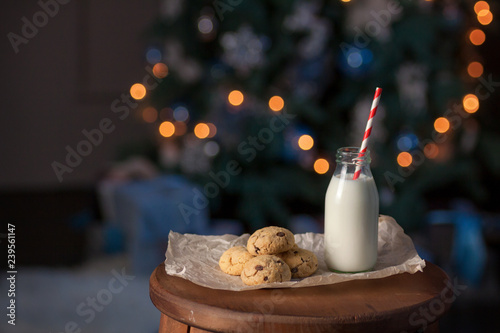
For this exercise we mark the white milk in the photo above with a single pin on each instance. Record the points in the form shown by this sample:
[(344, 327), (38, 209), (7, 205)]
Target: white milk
[(351, 223)]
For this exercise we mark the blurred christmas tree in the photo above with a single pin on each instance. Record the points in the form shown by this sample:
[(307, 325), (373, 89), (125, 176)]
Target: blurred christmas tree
[(260, 94)]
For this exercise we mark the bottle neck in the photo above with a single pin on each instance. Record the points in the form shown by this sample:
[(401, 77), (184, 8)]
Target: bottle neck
[(349, 160)]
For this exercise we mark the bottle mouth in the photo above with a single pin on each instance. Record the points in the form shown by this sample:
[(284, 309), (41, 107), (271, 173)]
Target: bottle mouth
[(351, 155)]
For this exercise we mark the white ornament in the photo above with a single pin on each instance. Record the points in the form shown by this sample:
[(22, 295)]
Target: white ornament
[(243, 50), (188, 69), (371, 20), (171, 9), (412, 87), (305, 19)]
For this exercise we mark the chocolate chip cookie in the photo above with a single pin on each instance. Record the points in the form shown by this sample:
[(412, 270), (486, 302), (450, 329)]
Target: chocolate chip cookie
[(270, 240), (302, 262), (265, 269), (233, 260)]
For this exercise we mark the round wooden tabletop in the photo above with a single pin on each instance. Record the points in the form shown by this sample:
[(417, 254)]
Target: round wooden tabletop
[(398, 303)]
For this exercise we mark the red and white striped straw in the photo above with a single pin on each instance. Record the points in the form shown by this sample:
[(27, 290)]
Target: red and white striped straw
[(368, 130)]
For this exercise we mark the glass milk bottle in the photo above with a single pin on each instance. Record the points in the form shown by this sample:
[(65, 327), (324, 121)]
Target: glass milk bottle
[(351, 215)]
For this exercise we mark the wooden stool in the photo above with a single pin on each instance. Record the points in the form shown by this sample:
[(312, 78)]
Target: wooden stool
[(398, 303)]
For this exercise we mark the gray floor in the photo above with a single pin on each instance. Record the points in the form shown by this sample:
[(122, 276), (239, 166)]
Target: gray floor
[(48, 300)]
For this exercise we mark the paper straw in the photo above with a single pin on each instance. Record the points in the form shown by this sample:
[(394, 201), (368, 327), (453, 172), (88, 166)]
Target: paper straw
[(368, 130)]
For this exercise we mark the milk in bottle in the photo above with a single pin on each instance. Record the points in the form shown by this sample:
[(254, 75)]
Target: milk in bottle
[(351, 215)]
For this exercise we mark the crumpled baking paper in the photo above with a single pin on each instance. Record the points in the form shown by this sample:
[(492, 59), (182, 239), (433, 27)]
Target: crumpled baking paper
[(196, 258)]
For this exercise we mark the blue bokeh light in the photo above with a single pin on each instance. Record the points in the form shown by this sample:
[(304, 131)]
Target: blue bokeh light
[(181, 113), (355, 62), (153, 55), (407, 142), (404, 143), (355, 59)]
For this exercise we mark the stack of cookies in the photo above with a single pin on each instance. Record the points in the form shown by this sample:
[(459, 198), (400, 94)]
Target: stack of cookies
[(271, 255)]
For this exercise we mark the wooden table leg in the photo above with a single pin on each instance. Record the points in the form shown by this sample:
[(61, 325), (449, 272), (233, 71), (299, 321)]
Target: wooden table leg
[(169, 325)]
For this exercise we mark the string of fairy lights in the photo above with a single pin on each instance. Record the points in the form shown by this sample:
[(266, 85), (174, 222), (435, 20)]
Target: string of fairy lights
[(174, 121), (470, 102), (235, 98)]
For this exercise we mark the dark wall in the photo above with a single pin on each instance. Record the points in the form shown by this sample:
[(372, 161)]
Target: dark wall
[(62, 80)]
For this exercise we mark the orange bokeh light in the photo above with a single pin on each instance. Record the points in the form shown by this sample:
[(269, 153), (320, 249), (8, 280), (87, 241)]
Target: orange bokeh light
[(160, 70), (321, 166), (477, 37), (276, 103), (441, 125), (201, 130), (481, 5), (404, 159), (137, 91), (167, 129), (149, 114), (431, 150), (235, 97), (470, 103), (180, 128), (485, 17), (212, 130), (305, 142), (475, 69), (166, 114)]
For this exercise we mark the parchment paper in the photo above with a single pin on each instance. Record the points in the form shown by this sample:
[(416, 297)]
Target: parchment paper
[(196, 258)]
